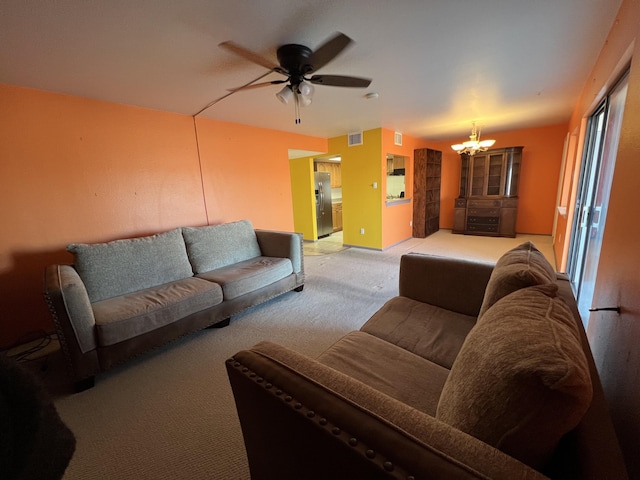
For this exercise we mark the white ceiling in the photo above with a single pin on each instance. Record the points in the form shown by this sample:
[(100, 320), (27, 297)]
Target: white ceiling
[(437, 65)]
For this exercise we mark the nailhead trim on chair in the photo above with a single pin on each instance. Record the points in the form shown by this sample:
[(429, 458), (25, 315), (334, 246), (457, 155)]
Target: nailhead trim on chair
[(371, 455), (59, 332)]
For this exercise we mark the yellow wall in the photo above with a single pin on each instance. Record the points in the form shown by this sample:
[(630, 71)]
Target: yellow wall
[(361, 203), (302, 188)]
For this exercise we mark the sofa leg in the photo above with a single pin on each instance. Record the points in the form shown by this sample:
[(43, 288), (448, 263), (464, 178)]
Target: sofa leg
[(223, 323), (298, 289), (84, 384)]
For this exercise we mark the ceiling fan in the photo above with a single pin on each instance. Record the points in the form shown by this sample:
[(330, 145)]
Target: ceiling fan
[(296, 63)]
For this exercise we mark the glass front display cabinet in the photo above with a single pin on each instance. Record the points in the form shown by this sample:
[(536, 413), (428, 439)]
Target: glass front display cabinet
[(488, 200)]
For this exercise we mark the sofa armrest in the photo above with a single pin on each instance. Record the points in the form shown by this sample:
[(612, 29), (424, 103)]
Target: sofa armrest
[(450, 283), (72, 314), (282, 244), (303, 419)]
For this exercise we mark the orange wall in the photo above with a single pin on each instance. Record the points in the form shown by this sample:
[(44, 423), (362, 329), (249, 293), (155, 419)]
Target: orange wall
[(396, 218), (541, 164), (615, 338), (246, 172), (79, 170)]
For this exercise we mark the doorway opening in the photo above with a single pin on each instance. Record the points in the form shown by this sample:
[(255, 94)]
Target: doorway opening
[(328, 194)]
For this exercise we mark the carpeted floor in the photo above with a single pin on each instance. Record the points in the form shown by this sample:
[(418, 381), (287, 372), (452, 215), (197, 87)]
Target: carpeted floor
[(170, 414)]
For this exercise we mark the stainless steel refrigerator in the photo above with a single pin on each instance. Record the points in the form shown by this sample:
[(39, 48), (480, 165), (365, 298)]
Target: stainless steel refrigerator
[(323, 203)]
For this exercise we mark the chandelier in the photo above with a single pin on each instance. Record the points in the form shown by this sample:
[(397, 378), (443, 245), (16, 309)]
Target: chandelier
[(474, 144)]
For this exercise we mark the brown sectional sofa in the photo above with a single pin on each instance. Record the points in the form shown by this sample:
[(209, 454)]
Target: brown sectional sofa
[(473, 371), (122, 298)]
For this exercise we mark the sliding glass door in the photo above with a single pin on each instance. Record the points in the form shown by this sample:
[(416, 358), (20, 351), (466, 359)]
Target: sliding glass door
[(601, 146)]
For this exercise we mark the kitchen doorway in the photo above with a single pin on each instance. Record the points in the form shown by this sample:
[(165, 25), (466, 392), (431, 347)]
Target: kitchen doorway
[(328, 194)]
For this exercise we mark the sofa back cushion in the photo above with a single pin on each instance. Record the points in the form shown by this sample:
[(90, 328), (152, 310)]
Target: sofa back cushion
[(521, 380), (125, 266), (523, 266), (217, 246)]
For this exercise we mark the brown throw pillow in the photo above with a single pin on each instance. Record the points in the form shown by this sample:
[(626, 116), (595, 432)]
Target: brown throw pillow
[(523, 266), (521, 380)]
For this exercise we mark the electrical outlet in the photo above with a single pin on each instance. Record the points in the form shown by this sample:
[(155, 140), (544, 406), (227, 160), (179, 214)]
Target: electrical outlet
[(362, 231), (411, 223), (375, 184)]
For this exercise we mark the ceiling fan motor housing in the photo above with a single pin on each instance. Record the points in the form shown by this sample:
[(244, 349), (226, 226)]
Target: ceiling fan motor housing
[(294, 59)]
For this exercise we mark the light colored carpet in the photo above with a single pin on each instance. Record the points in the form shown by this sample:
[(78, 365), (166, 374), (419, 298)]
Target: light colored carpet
[(170, 414)]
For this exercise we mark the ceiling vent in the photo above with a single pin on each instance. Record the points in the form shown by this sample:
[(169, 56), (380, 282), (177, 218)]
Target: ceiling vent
[(354, 138), (397, 138)]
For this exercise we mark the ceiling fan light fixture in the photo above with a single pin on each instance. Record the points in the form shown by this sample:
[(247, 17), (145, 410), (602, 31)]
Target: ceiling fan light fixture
[(285, 94), (474, 144), (305, 93), (306, 89), (304, 100)]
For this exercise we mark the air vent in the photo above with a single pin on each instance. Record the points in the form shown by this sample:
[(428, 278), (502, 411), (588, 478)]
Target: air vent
[(354, 138), (397, 138)]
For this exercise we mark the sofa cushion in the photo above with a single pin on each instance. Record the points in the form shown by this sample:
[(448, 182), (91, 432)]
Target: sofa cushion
[(521, 380), (249, 275), (127, 316), (523, 266), (217, 246), (389, 369), (124, 266), (432, 332)]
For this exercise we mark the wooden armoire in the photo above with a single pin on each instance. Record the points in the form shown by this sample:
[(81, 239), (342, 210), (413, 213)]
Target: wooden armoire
[(427, 166), (488, 201)]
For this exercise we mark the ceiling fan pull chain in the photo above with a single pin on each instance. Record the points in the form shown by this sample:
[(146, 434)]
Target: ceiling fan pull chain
[(295, 95)]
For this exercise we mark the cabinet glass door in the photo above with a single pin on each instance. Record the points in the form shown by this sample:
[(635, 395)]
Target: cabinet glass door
[(494, 178), (464, 175), (477, 175), (512, 177)]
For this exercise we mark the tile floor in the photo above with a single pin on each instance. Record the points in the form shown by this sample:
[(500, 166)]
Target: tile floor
[(326, 245)]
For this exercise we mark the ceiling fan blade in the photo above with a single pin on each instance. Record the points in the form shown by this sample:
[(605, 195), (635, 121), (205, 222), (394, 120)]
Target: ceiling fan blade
[(258, 85), (249, 55), (213, 102), (328, 51), (340, 81)]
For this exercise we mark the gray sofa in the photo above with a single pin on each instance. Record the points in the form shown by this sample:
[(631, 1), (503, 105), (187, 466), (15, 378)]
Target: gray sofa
[(474, 371), (125, 297)]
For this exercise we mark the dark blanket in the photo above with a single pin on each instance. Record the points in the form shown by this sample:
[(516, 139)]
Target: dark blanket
[(34, 442)]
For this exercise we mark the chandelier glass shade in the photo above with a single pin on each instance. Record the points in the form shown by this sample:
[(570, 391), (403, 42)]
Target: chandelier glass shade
[(474, 144)]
